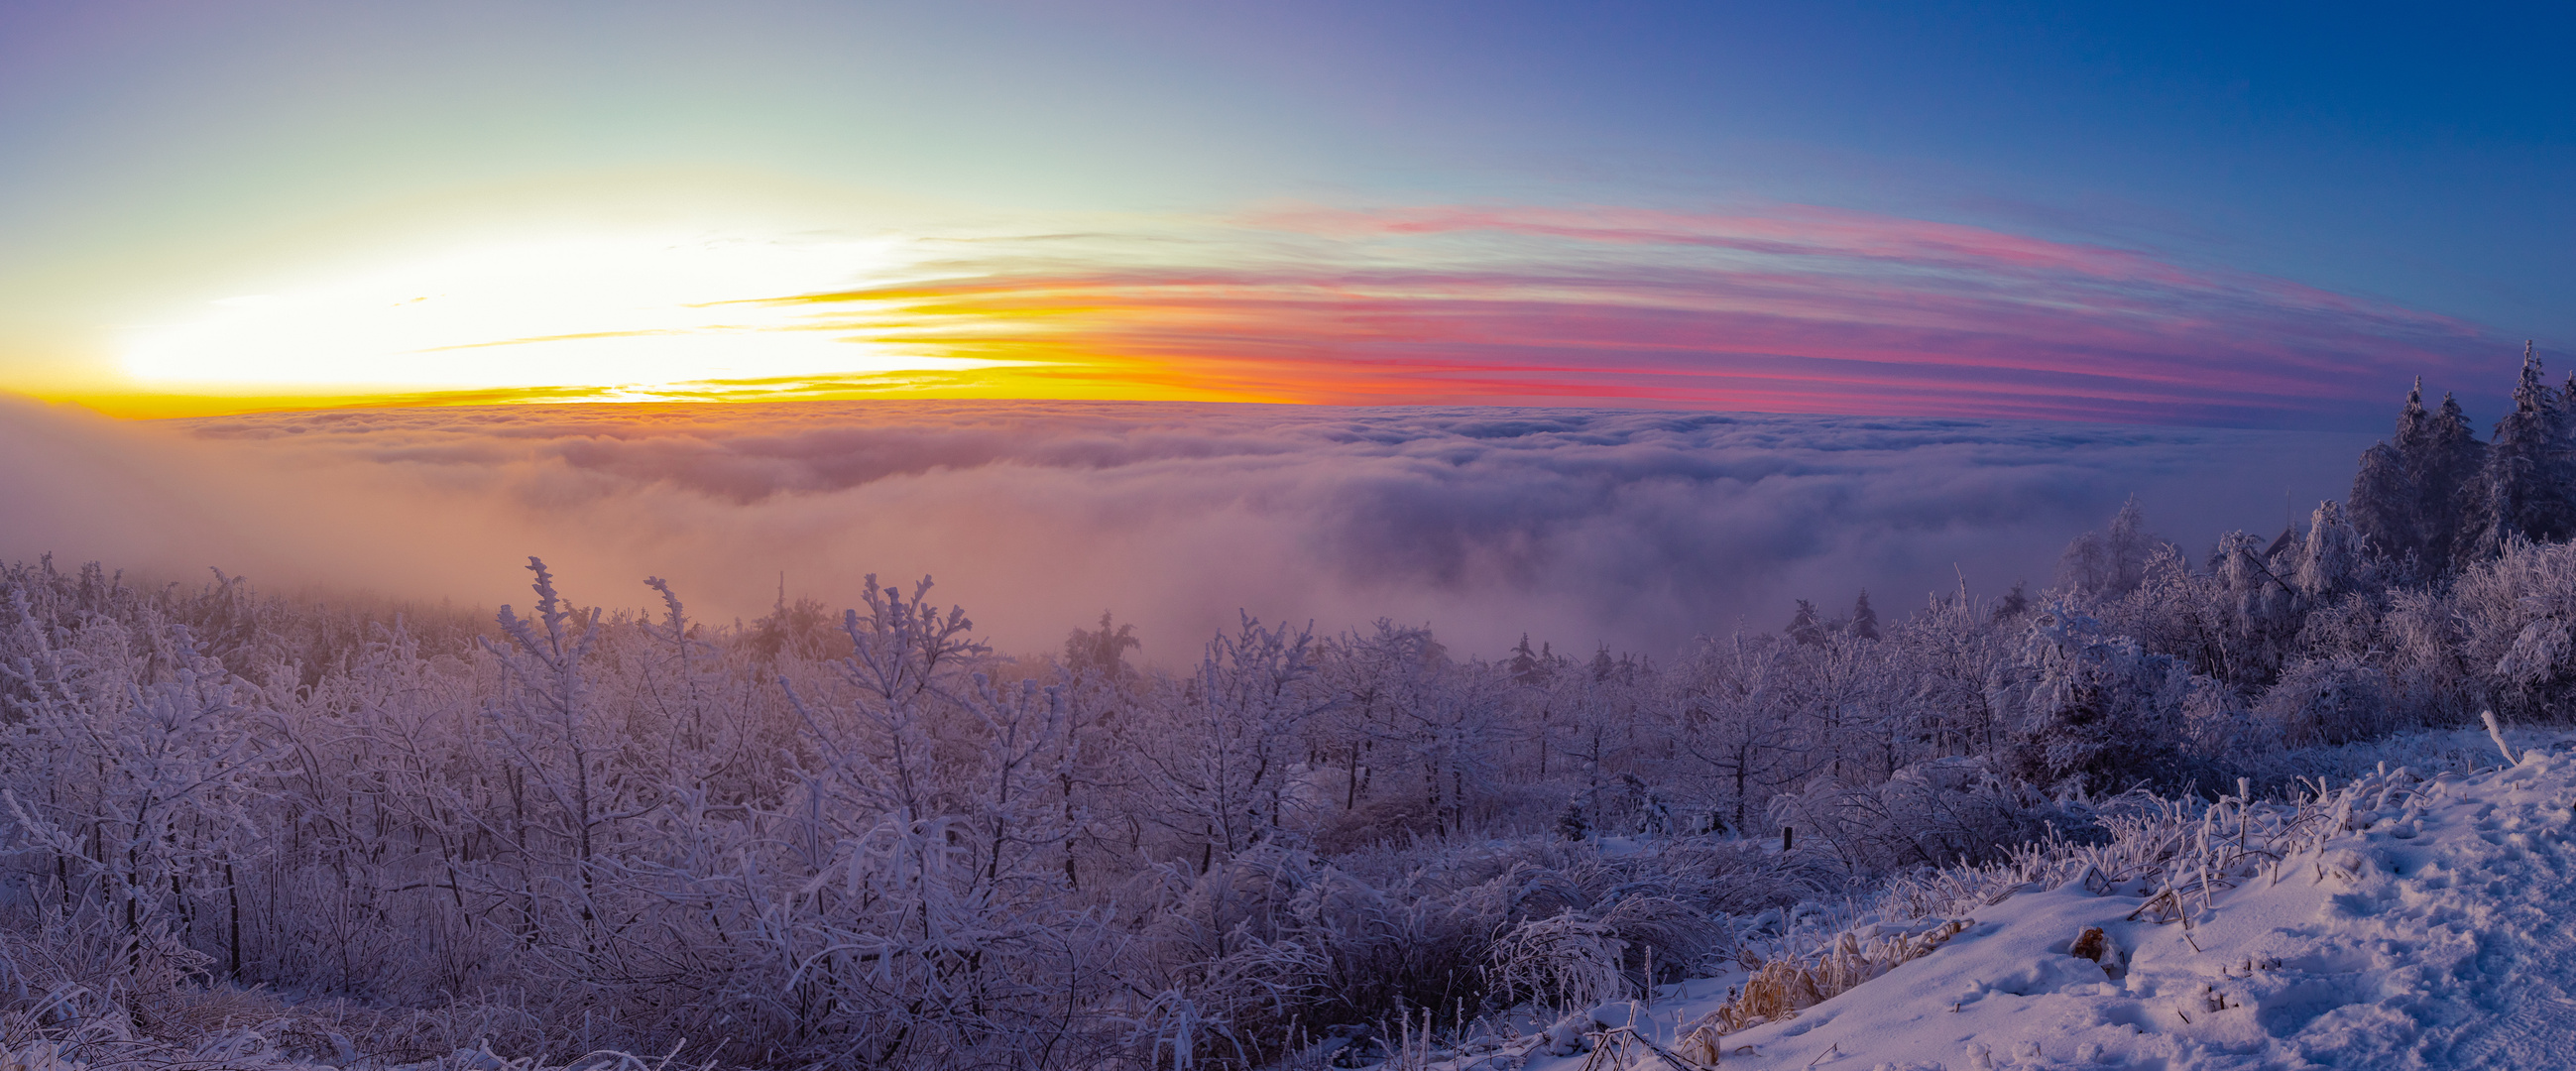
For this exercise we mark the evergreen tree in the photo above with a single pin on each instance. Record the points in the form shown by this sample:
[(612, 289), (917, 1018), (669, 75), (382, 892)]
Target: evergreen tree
[(1864, 622), (2523, 490), (1525, 663), (2447, 462), (2331, 557), (1572, 823), (2408, 496), (1102, 654), (2384, 506), (2014, 603), (2387, 503), (1804, 627)]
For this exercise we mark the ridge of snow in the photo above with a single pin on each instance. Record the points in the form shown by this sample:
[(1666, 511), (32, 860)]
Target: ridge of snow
[(2434, 928)]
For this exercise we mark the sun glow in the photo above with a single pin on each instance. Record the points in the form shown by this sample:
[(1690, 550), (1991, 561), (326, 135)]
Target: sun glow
[(625, 313)]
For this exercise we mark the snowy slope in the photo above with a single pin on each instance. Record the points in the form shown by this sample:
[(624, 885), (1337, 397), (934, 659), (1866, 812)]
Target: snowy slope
[(2426, 923)]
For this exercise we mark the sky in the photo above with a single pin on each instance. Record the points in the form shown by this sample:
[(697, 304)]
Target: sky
[(2181, 215)]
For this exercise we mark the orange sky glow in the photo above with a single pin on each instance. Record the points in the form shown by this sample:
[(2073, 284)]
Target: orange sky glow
[(1786, 309)]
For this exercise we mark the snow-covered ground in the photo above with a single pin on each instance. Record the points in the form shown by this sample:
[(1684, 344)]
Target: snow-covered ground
[(2430, 925)]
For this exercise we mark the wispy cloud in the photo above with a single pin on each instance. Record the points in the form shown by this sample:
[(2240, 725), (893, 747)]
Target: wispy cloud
[(1783, 309), (1793, 309)]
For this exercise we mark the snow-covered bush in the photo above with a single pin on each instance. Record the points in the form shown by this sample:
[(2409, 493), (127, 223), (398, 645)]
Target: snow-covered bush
[(2096, 710), (2517, 617), (2329, 701), (1937, 813), (1567, 961)]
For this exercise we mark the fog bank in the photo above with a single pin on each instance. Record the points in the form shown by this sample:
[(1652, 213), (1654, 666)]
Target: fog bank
[(1581, 527)]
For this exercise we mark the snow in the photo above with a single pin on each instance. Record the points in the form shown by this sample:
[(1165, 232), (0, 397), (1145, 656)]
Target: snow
[(2436, 928)]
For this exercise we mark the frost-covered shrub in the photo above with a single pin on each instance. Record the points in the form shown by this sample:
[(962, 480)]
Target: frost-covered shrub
[(1568, 961), (2517, 617), (1956, 811), (2094, 709), (2328, 701), (1394, 818)]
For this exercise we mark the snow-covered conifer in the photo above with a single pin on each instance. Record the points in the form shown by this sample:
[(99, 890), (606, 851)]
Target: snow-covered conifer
[(2527, 487), (1864, 620), (2388, 501), (1102, 652), (2014, 603), (2331, 557), (1524, 663), (1804, 626)]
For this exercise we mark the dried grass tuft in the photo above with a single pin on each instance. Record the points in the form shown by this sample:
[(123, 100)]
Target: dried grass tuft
[(1784, 986)]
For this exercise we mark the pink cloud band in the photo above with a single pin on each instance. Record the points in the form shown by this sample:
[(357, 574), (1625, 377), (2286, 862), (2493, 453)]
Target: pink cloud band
[(1800, 309)]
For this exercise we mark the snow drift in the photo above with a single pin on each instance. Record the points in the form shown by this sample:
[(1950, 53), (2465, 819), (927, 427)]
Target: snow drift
[(2398, 920)]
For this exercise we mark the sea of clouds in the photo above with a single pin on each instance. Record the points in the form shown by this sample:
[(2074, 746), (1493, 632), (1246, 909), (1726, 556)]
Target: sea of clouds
[(1638, 530)]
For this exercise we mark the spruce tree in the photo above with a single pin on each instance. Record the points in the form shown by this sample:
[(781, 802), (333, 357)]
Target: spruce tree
[(2330, 559), (1525, 663), (2443, 466), (2408, 497), (2014, 603), (1572, 823), (2522, 491), (1864, 622), (1804, 627), (2387, 503)]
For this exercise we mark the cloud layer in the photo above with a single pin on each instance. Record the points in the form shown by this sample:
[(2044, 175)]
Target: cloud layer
[(1635, 529)]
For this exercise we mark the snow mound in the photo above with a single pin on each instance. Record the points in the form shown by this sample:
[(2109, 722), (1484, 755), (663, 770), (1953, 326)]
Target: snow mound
[(2397, 922)]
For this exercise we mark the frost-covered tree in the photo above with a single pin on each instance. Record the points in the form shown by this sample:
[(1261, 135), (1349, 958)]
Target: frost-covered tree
[(2407, 499), (133, 786), (2516, 619), (1732, 715), (1944, 655), (1223, 766), (912, 906), (2113, 561), (2527, 487), (1805, 627), (2331, 557), (1101, 653)]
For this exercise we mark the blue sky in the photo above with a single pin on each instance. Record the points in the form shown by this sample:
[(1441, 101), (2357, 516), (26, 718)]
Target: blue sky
[(155, 157)]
